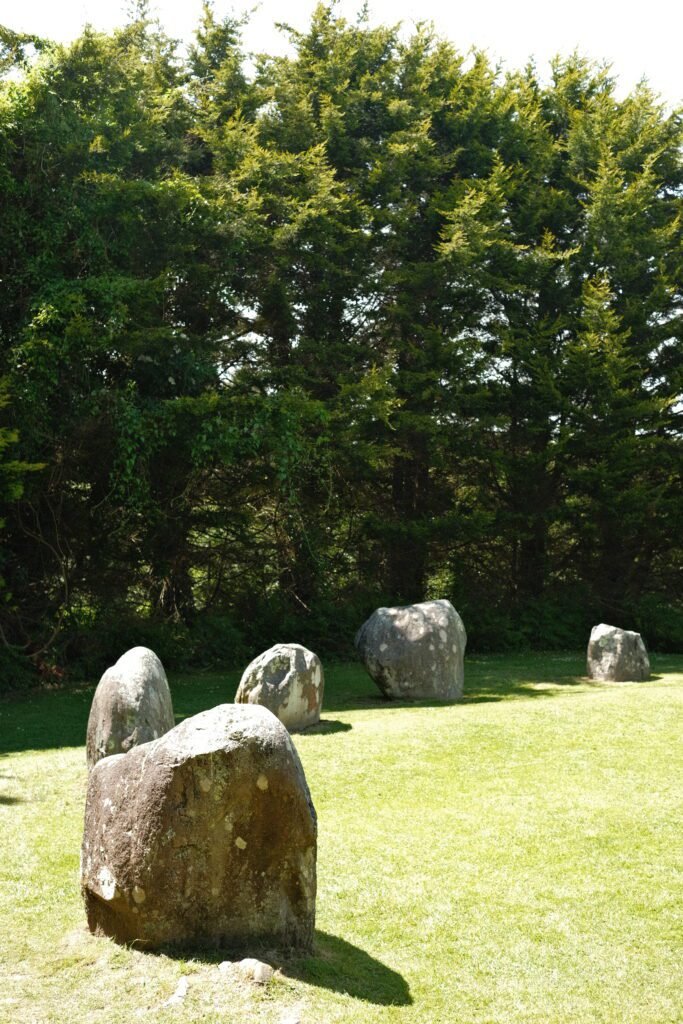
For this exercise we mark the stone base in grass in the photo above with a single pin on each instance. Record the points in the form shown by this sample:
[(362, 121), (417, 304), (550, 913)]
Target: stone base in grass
[(206, 836)]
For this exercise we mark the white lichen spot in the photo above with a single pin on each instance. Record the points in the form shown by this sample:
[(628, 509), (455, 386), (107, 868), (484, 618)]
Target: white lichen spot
[(139, 894), (383, 647), (454, 648), (227, 821), (262, 783), (107, 883), (442, 636), (240, 843), (214, 890), (431, 647), (307, 861), (205, 784)]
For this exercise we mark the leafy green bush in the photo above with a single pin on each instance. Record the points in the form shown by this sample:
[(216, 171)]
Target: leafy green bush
[(16, 671), (85, 650), (215, 640), (555, 621), (661, 623)]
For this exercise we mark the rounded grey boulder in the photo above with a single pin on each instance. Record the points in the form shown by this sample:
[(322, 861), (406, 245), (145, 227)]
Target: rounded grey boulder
[(617, 655), (132, 705), (415, 652), (288, 680), (206, 836)]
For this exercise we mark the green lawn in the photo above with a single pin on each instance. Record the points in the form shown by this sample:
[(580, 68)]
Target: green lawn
[(513, 859)]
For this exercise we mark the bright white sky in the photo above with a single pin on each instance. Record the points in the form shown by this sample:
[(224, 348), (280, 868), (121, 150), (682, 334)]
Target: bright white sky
[(640, 39)]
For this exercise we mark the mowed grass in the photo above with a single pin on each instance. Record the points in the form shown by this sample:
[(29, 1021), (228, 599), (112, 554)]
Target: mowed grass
[(513, 859)]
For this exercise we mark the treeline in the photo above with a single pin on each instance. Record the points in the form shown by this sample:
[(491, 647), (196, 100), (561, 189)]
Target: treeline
[(283, 339)]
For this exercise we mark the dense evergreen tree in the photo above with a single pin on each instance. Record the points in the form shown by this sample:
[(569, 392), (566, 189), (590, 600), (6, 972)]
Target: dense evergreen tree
[(371, 324), (573, 336)]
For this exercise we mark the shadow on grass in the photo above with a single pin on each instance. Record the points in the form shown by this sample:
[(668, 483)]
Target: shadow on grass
[(480, 688), (342, 967), (44, 721), (487, 679), (9, 800), (327, 725), (492, 678), (334, 964), (58, 718)]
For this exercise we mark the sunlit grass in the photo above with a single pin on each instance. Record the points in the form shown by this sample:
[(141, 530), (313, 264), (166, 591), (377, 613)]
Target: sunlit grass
[(514, 859)]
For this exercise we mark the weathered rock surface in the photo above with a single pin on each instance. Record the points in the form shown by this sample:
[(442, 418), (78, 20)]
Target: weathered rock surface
[(288, 680), (415, 652), (617, 655), (132, 705), (248, 969), (204, 836)]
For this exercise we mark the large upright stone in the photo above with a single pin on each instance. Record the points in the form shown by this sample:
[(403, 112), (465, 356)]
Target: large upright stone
[(206, 836), (288, 680), (132, 705), (617, 655), (415, 652)]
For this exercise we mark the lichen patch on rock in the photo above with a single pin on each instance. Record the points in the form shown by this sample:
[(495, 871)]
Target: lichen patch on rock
[(287, 679)]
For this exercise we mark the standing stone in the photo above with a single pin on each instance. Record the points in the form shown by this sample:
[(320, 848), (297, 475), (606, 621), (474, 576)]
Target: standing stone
[(415, 652), (132, 705), (617, 655), (206, 836), (288, 680)]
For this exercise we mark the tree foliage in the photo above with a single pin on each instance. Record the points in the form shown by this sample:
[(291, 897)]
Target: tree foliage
[(369, 323)]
